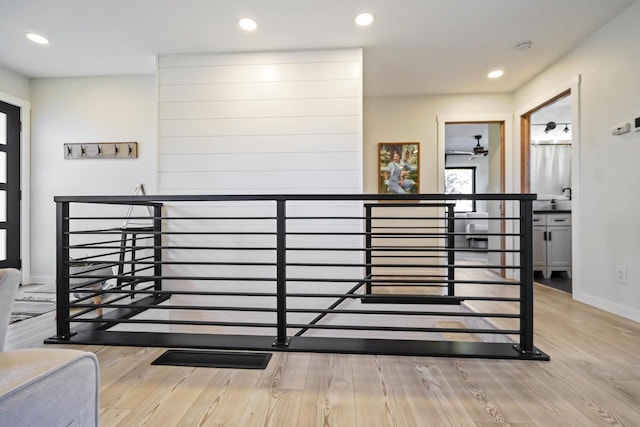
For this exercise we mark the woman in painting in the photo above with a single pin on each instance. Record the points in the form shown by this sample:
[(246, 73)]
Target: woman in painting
[(395, 176)]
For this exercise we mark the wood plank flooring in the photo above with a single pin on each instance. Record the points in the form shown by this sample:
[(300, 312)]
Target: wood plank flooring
[(593, 379)]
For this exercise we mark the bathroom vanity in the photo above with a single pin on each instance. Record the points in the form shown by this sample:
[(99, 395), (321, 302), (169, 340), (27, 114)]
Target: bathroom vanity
[(552, 241)]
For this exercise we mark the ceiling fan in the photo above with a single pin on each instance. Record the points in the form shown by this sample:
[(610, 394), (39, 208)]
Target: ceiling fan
[(478, 150)]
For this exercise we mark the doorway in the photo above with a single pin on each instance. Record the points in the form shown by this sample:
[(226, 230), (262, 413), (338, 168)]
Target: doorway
[(474, 163), (547, 146), (9, 186)]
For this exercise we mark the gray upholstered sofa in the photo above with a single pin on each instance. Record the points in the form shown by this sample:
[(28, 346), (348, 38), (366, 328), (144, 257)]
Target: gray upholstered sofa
[(44, 386)]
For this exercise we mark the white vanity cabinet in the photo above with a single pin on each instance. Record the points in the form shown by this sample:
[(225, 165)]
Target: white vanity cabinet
[(552, 243)]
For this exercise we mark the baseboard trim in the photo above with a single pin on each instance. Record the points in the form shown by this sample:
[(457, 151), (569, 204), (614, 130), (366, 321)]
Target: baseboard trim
[(37, 280), (611, 307)]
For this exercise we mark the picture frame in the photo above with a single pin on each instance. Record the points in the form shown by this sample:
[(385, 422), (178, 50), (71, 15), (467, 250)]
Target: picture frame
[(401, 176)]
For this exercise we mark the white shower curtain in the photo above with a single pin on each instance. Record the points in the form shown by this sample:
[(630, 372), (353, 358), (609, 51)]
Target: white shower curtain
[(550, 170)]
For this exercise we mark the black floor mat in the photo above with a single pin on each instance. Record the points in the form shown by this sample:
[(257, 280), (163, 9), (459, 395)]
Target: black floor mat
[(214, 359)]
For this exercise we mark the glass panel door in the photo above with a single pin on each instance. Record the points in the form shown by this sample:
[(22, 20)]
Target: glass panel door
[(3, 181), (9, 186)]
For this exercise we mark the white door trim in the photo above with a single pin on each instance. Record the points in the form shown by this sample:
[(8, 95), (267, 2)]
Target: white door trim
[(573, 84), (507, 119)]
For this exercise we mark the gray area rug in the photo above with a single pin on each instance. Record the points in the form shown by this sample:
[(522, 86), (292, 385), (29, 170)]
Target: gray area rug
[(32, 301)]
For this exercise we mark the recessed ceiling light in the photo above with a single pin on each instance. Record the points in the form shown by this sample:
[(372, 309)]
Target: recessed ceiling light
[(364, 19), (37, 38), (248, 24), (495, 74)]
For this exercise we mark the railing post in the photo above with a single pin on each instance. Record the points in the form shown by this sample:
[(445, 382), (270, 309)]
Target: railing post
[(281, 274), (526, 277), (368, 249), (157, 248), (63, 331), (451, 255)]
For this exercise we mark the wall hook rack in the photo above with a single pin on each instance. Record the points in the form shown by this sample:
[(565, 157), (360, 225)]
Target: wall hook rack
[(101, 150)]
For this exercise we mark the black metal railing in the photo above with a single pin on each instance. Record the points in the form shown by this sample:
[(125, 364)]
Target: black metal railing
[(381, 274)]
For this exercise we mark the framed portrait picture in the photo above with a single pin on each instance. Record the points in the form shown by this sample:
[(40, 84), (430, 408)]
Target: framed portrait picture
[(399, 167)]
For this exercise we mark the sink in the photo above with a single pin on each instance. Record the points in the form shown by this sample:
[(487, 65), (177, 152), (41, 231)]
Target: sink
[(546, 205)]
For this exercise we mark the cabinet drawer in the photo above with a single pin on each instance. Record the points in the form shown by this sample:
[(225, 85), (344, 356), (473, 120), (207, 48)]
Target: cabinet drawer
[(558, 219), (539, 219)]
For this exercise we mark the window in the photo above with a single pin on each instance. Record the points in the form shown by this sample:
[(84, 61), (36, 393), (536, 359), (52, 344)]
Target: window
[(461, 180)]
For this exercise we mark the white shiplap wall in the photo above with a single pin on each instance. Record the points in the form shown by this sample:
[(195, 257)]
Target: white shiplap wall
[(259, 123)]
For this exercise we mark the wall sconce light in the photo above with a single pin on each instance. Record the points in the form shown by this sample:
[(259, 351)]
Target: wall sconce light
[(550, 126)]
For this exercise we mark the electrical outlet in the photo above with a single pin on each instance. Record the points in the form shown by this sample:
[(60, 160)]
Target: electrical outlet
[(621, 273)]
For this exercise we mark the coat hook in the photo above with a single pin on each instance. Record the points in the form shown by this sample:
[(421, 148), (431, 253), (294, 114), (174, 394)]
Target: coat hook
[(93, 150)]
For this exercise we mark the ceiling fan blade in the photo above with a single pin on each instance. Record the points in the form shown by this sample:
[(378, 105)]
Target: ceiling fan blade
[(459, 152)]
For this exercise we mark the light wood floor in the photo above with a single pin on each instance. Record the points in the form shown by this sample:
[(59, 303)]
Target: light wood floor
[(593, 379)]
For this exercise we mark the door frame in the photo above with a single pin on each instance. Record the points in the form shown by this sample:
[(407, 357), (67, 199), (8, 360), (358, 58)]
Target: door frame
[(25, 183), (525, 140), (571, 86), (506, 173)]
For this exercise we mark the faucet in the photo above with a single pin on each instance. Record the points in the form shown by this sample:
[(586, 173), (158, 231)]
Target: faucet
[(567, 188)]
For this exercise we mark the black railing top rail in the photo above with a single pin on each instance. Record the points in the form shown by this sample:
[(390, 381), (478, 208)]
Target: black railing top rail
[(154, 199), (121, 217), (289, 218)]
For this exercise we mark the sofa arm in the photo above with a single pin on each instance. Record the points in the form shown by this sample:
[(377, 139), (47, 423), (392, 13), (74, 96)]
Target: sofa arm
[(52, 387)]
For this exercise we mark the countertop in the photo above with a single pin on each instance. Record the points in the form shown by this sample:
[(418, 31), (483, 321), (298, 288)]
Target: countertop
[(551, 211)]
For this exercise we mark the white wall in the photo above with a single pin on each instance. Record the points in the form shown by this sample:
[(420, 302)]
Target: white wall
[(90, 109), (14, 84), (254, 123), (606, 196), (258, 123), (413, 118)]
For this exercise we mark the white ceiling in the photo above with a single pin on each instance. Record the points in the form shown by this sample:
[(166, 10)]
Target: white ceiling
[(413, 47), (461, 137)]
